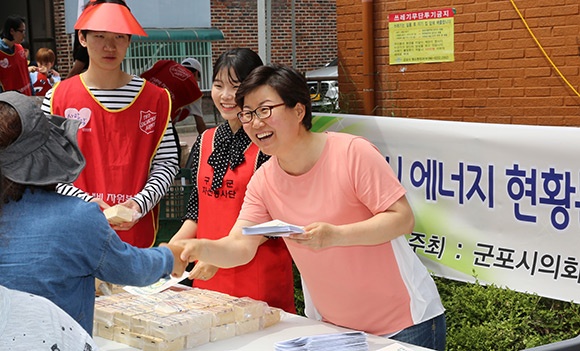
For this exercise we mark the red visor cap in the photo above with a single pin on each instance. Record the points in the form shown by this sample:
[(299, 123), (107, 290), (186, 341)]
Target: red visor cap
[(109, 17)]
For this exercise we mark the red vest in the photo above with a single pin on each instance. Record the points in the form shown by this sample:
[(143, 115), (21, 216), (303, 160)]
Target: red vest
[(268, 277), (14, 71), (42, 85), (119, 146), (180, 83)]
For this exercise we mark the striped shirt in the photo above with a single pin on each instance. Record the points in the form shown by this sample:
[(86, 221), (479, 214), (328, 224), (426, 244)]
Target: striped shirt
[(165, 164)]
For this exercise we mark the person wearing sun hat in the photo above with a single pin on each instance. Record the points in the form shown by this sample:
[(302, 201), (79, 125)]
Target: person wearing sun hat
[(125, 134), (55, 245), (45, 152), (109, 16)]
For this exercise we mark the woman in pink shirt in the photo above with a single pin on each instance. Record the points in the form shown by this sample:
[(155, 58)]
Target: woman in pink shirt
[(356, 264)]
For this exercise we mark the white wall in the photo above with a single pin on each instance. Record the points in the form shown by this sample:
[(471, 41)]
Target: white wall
[(157, 13)]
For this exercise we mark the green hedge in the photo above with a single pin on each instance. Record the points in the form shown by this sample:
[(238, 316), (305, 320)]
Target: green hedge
[(484, 318), (492, 318)]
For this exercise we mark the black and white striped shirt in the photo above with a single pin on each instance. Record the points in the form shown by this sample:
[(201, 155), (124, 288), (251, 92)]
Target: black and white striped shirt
[(165, 163)]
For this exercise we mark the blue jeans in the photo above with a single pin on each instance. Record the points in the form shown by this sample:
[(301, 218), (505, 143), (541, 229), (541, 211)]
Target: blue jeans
[(429, 334)]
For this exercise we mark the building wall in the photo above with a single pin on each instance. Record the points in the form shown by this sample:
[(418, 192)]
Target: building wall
[(499, 75), (315, 31), (63, 40), (315, 22)]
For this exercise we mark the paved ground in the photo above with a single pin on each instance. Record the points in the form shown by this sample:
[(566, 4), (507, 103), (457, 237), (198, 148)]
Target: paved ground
[(186, 128), (188, 133), (187, 136)]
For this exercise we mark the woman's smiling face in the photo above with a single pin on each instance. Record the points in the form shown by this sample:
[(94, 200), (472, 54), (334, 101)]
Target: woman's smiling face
[(223, 93), (280, 131)]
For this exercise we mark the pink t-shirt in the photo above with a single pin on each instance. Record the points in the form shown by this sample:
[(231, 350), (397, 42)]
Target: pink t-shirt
[(380, 289)]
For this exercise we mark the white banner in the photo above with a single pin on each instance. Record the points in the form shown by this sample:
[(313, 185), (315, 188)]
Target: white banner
[(500, 203)]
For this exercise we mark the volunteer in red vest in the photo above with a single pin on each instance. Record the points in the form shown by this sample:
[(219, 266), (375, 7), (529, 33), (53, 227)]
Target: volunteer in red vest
[(125, 132), (13, 61), (223, 161), (178, 80), (182, 87)]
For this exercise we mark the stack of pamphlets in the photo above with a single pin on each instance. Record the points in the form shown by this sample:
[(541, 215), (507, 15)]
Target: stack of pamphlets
[(273, 228), (349, 341)]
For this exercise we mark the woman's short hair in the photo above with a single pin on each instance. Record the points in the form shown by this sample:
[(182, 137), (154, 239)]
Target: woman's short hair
[(45, 55), (288, 83)]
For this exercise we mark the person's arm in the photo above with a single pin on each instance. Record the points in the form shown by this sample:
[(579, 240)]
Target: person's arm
[(199, 123), (101, 253), (140, 266), (71, 190), (233, 250), (197, 112), (54, 77), (188, 229), (163, 170), (33, 77), (385, 226), (201, 270), (46, 103)]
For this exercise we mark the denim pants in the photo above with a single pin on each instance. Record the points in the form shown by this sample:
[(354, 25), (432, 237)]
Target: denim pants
[(429, 334)]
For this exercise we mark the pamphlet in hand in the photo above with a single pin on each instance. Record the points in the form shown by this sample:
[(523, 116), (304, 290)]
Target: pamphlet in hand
[(159, 286), (273, 228)]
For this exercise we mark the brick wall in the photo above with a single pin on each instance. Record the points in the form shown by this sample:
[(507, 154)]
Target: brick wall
[(499, 74), (315, 30), (63, 42)]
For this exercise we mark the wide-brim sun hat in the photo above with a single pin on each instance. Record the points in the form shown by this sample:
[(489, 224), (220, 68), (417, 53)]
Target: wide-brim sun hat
[(190, 62), (46, 151), (109, 17)]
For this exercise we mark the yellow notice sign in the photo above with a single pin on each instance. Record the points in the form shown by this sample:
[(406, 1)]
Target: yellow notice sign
[(421, 36)]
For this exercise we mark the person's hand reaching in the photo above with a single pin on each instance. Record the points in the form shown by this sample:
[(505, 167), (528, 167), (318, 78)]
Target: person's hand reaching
[(203, 271), (178, 264)]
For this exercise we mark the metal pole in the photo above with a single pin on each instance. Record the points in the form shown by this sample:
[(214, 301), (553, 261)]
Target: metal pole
[(261, 9), (293, 33), (368, 57), (268, 31)]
